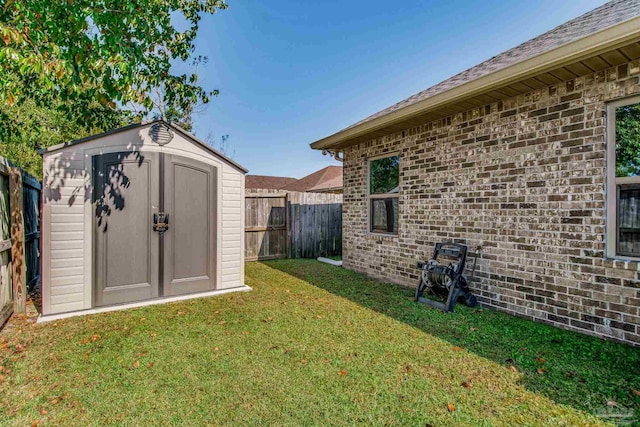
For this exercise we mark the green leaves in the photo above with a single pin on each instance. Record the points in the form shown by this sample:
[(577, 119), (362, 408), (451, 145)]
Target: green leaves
[(126, 49), (628, 140), (43, 120), (72, 68), (384, 175)]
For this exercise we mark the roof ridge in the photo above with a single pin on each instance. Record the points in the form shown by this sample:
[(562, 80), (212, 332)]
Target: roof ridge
[(273, 176), (325, 172)]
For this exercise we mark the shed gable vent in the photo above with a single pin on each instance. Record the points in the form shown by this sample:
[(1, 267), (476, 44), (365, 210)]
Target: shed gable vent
[(161, 133)]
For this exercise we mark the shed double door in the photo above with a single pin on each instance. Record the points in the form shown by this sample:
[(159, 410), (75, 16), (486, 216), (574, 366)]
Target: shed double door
[(136, 261)]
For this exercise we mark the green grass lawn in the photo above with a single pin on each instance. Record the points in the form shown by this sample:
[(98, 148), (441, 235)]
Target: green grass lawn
[(312, 344)]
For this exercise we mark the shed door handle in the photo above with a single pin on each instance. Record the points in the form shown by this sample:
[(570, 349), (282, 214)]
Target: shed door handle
[(160, 222)]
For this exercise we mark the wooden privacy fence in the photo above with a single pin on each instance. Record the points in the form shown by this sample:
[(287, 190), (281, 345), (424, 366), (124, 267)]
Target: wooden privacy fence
[(19, 238), (292, 224)]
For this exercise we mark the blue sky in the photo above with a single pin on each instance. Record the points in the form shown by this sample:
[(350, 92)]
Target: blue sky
[(293, 71)]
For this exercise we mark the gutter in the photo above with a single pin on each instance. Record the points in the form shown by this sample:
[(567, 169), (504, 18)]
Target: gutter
[(594, 44)]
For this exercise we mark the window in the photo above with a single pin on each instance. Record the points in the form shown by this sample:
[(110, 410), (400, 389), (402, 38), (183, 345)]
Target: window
[(623, 190), (384, 185)]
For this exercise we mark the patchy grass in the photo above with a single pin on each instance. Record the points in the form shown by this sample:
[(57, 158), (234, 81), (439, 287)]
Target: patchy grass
[(311, 345)]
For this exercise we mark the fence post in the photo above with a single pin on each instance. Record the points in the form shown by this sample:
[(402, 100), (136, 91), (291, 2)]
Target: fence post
[(18, 275), (287, 213)]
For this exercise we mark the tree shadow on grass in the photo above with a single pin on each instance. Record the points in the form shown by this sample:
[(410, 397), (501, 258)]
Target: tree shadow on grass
[(584, 372)]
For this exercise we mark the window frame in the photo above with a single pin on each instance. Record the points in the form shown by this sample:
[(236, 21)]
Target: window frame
[(371, 196), (613, 183)]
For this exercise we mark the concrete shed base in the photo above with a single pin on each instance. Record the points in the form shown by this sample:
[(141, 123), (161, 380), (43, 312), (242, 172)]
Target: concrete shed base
[(52, 317)]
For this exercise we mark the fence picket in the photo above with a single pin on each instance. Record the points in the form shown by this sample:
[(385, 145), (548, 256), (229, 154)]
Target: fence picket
[(19, 238)]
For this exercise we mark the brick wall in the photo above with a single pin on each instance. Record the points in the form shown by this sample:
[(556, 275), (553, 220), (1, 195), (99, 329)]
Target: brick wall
[(525, 179)]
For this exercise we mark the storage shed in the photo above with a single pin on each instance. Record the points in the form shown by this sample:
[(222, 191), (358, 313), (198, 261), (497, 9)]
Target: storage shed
[(138, 215)]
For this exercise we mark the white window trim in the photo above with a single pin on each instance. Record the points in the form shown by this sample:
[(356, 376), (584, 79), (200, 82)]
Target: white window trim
[(611, 189), (381, 195)]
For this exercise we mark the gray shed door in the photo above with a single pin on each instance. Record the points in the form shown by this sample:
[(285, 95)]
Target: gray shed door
[(126, 191), (132, 261), (189, 198)]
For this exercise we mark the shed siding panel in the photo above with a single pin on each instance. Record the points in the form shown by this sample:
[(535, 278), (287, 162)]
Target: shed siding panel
[(71, 306), (232, 201), (69, 289), (66, 245), (63, 231), (66, 253), (66, 281), (66, 272)]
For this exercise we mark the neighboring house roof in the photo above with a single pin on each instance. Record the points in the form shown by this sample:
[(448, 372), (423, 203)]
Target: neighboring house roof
[(326, 179), (579, 36), (268, 182), (173, 126)]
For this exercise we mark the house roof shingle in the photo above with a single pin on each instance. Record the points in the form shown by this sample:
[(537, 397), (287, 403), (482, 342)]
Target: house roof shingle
[(328, 178), (325, 179), (268, 182)]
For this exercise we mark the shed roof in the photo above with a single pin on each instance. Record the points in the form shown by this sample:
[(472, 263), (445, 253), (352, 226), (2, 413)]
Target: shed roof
[(173, 126), (588, 29)]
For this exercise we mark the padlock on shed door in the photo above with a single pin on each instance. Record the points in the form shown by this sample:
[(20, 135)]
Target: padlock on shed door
[(160, 222)]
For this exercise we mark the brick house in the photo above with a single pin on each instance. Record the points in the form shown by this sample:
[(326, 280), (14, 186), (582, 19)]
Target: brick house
[(527, 155)]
